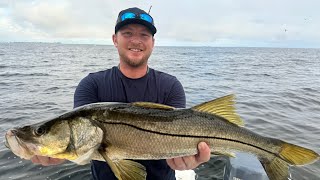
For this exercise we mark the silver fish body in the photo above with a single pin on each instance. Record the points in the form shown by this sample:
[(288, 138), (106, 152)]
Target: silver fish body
[(116, 132)]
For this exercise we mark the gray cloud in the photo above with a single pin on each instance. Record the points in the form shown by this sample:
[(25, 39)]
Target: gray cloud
[(4, 3), (202, 21), (243, 20)]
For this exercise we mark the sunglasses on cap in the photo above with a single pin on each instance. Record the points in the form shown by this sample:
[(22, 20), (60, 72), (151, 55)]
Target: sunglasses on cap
[(130, 15)]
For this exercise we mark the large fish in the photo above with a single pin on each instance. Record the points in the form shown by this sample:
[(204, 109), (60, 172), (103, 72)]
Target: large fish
[(118, 132)]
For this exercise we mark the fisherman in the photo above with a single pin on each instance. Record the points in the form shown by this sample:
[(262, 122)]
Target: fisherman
[(131, 81)]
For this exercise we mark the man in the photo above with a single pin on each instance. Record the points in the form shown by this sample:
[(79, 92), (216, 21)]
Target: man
[(132, 80)]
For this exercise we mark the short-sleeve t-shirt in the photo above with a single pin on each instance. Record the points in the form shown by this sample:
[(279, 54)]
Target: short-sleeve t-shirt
[(112, 86)]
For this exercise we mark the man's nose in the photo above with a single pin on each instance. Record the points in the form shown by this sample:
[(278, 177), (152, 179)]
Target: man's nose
[(135, 39)]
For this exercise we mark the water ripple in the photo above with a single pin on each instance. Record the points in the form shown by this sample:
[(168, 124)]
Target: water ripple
[(8, 74)]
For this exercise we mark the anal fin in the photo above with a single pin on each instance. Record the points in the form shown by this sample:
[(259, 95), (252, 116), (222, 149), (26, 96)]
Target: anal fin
[(277, 169), (223, 153)]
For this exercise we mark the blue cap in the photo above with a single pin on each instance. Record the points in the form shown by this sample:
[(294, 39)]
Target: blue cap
[(135, 16)]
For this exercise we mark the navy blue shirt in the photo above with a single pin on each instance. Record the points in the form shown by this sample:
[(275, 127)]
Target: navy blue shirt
[(112, 86)]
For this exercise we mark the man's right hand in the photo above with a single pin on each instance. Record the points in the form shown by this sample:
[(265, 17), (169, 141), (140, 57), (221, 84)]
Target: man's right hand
[(46, 161)]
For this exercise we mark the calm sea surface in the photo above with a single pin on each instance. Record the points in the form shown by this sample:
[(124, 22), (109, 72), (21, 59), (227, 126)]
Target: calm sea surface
[(278, 91)]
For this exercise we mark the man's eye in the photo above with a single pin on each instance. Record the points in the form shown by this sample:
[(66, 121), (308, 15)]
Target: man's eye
[(127, 33)]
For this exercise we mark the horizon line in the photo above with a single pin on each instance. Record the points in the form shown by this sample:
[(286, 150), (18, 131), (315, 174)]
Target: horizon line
[(102, 44)]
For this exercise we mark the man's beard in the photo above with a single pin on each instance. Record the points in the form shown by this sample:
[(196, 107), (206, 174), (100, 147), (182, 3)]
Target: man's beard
[(134, 63)]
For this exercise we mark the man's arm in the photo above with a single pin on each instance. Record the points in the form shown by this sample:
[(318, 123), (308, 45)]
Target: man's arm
[(177, 99), (86, 92)]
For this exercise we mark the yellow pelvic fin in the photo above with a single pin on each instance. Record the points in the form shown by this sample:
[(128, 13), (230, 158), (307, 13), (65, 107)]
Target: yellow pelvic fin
[(153, 105), (297, 155), (112, 165), (126, 169), (131, 170), (223, 107)]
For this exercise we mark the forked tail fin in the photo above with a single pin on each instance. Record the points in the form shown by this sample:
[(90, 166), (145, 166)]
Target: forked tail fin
[(290, 154), (297, 155)]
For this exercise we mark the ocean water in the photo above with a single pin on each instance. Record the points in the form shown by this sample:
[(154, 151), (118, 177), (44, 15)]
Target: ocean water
[(277, 90)]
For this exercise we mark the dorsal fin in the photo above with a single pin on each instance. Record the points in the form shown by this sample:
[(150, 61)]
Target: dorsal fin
[(153, 105), (223, 107)]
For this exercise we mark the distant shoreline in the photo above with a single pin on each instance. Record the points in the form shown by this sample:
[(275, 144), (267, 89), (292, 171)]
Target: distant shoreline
[(195, 46)]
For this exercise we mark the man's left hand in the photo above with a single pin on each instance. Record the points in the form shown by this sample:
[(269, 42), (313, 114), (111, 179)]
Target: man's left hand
[(191, 162)]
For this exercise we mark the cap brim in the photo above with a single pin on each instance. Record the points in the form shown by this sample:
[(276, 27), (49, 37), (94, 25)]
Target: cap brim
[(151, 27)]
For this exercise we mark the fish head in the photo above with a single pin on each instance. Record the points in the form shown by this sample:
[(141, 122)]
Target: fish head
[(45, 139)]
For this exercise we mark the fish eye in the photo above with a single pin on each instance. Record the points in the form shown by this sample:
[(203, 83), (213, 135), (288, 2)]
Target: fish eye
[(39, 131)]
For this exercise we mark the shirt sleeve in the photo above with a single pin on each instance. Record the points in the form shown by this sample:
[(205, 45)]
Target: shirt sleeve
[(177, 97), (86, 92)]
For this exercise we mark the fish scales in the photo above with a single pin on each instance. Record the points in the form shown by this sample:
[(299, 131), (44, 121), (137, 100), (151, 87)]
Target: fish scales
[(115, 132), (186, 125)]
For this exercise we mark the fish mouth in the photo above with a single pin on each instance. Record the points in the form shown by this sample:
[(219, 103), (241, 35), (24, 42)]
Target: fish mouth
[(16, 145), (10, 134), (6, 143)]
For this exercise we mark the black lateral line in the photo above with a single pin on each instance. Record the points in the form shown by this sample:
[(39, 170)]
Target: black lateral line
[(191, 136)]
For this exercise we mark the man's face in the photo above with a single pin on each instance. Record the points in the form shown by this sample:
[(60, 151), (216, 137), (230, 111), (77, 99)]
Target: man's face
[(134, 43)]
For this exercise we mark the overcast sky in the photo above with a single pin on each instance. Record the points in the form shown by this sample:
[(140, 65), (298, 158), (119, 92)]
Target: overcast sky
[(260, 23)]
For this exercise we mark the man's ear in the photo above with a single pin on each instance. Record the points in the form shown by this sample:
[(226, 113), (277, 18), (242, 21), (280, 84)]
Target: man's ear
[(153, 41), (115, 40)]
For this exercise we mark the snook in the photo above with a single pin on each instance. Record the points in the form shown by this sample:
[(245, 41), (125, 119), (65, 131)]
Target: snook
[(116, 132)]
